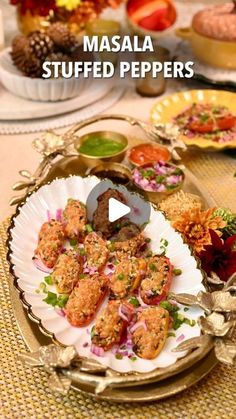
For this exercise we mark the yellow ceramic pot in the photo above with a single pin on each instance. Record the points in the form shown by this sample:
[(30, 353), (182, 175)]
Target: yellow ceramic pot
[(216, 53)]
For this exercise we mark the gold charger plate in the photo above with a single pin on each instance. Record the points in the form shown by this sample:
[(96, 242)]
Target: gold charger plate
[(168, 108), (185, 377)]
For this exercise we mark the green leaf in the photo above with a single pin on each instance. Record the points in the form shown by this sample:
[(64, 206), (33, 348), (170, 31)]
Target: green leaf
[(62, 300), (134, 301), (89, 228), (48, 280), (119, 356), (51, 299)]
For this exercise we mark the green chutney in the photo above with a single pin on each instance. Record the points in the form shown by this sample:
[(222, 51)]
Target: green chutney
[(100, 147)]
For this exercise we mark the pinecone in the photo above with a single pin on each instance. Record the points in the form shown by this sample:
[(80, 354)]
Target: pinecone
[(32, 67), (58, 56), (18, 53), (40, 45), (61, 36)]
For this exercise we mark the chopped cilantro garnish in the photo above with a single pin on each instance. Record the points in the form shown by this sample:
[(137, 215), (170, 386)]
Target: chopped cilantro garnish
[(48, 280), (177, 272), (171, 334), (164, 242), (160, 179), (82, 276), (73, 242), (89, 228), (204, 117), (147, 240), (120, 276), (92, 332), (170, 187), (153, 267), (186, 309), (51, 299), (62, 300), (133, 358), (111, 247), (82, 251), (119, 356), (134, 301)]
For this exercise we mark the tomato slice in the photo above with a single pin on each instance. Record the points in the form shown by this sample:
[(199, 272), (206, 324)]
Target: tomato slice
[(202, 128), (226, 122)]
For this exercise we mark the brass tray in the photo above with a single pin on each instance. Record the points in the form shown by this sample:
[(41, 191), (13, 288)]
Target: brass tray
[(148, 392)]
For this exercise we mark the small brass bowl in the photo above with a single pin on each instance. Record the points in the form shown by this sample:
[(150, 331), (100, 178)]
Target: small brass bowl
[(116, 172), (92, 161), (155, 196)]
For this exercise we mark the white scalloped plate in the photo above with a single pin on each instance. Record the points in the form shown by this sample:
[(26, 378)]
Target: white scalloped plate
[(24, 241)]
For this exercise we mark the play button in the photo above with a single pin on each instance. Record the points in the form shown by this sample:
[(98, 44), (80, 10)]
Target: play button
[(117, 210)]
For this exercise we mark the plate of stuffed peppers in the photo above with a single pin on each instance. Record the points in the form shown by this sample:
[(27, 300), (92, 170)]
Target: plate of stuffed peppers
[(104, 287)]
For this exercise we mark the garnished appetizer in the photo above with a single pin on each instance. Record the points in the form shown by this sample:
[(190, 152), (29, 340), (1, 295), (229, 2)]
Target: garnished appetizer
[(150, 332), (158, 177), (127, 242), (111, 324), (66, 271), (96, 251), (74, 218), (51, 238), (85, 299), (127, 277), (157, 282), (212, 122)]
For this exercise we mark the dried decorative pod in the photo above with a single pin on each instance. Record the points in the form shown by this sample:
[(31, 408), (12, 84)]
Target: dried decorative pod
[(215, 324), (225, 351), (57, 356), (18, 53), (62, 36), (40, 45)]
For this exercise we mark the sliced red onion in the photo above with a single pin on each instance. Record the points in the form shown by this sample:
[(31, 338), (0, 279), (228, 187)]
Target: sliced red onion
[(91, 270), (49, 215), (127, 311), (161, 188), (96, 350), (180, 338), (149, 293), (40, 266), (60, 311), (121, 314), (59, 214), (141, 323), (85, 344)]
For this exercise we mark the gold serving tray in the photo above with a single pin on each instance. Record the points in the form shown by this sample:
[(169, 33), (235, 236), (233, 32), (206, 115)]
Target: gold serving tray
[(187, 372)]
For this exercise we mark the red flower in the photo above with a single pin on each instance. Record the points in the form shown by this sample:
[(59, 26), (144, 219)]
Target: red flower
[(36, 7), (219, 257)]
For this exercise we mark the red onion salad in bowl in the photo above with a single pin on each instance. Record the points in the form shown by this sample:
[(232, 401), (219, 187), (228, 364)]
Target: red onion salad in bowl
[(158, 179)]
